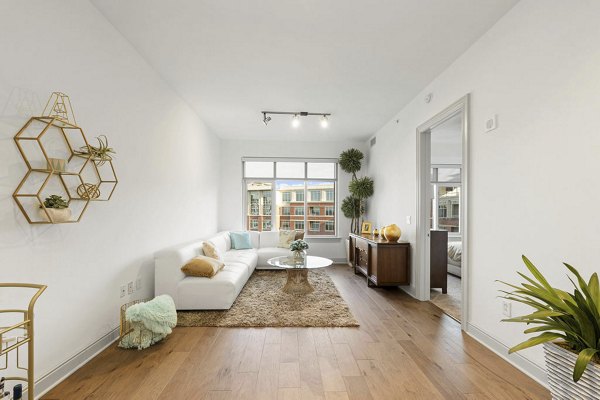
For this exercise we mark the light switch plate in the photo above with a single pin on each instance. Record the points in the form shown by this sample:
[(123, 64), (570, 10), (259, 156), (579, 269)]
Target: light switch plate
[(491, 123), (408, 219)]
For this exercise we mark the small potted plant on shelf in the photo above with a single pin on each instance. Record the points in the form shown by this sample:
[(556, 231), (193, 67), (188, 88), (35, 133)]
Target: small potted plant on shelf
[(298, 248), (569, 327), (57, 208)]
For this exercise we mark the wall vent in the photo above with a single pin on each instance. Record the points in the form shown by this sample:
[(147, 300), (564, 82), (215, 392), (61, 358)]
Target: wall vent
[(373, 141)]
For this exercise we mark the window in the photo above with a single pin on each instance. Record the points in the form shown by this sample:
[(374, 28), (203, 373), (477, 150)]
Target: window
[(445, 206), (442, 212), (329, 195), (283, 193), (315, 195)]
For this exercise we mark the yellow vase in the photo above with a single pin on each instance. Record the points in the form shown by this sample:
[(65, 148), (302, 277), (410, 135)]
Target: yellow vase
[(392, 233)]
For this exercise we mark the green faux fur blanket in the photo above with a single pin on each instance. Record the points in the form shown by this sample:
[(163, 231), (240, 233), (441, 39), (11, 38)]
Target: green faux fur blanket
[(152, 321)]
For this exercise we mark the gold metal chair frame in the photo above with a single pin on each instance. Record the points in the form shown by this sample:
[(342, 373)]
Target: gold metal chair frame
[(24, 327)]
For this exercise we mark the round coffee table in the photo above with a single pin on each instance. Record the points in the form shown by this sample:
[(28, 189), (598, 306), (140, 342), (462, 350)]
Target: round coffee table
[(297, 273)]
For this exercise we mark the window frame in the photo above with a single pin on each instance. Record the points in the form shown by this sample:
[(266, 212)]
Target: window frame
[(435, 184), (273, 181)]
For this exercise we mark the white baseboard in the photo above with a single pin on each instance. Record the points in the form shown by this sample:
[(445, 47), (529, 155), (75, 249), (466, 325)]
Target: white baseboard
[(525, 365), (64, 370)]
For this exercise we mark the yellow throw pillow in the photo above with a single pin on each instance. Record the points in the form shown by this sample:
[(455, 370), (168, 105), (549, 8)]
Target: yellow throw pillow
[(286, 238), (202, 266), (211, 251)]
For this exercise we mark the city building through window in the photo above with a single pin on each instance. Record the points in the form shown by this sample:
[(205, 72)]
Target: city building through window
[(282, 193)]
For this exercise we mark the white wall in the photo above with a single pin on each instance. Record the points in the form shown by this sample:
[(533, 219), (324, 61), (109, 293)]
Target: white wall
[(168, 189), (533, 180), (231, 196), (446, 142)]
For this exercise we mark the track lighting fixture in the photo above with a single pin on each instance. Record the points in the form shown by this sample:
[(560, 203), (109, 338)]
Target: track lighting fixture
[(296, 117), (266, 119)]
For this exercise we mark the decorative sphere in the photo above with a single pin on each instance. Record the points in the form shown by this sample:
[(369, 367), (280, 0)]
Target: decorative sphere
[(392, 233)]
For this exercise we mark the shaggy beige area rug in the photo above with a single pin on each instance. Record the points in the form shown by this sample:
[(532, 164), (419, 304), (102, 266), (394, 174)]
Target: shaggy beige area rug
[(262, 303)]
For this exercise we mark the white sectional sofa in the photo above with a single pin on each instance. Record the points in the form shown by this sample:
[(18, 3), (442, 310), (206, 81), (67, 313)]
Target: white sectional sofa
[(220, 291)]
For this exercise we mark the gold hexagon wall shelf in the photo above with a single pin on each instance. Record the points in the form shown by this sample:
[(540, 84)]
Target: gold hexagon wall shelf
[(51, 148)]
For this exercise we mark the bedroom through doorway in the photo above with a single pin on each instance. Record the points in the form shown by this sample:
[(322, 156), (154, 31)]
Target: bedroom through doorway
[(445, 204), (442, 267)]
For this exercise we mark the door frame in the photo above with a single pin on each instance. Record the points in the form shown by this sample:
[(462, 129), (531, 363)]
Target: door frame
[(422, 275)]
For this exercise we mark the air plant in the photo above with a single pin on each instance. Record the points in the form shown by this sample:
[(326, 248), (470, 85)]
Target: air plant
[(102, 153)]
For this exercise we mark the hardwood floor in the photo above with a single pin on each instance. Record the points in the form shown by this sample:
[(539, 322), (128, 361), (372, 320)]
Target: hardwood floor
[(404, 349)]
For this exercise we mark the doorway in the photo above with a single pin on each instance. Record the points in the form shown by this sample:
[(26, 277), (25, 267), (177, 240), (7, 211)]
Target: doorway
[(442, 229)]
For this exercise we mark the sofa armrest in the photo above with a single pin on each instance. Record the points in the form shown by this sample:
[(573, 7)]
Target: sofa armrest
[(167, 267)]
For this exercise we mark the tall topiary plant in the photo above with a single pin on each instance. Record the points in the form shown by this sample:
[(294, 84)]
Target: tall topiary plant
[(354, 205)]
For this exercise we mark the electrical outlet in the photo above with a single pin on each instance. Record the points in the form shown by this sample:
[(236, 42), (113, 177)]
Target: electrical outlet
[(506, 309), (130, 287), (138, 283), (123, 290)]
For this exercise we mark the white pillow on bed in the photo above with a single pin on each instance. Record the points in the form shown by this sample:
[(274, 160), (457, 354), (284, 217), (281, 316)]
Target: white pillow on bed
[(455, 251)]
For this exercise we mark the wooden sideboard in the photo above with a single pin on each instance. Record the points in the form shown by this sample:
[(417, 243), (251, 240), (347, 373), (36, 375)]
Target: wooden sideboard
[(383, 263)]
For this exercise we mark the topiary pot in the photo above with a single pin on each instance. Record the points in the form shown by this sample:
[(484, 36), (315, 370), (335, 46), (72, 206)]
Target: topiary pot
[(560, 363)]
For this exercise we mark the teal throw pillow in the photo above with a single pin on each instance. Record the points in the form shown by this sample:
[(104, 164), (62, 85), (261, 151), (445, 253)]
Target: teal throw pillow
[(240, 240)]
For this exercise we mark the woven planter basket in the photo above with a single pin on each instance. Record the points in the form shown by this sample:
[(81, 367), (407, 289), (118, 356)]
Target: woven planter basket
[(560, 363)]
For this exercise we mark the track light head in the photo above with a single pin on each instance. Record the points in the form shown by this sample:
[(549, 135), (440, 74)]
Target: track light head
[(324, 121), (296, 121), (266, 119)]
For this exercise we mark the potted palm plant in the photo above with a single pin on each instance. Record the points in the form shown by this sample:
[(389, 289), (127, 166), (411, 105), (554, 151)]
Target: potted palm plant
[(354, 205), (57, 208), (569, 328)]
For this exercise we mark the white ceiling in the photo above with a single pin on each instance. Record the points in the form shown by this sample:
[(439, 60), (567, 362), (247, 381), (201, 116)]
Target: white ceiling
[(360, 60)]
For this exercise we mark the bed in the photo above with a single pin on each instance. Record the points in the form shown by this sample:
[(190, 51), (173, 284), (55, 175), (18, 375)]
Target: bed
[(454, 258)]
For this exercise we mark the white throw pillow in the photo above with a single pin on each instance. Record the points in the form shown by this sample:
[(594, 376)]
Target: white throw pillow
[(286, 238)]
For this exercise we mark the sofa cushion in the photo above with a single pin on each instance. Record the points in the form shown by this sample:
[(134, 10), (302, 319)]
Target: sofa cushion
[(265, 253), (255, 239), (202, 266), (221, 241), (299, 235), (286, 238), (240, 240), (269, 239), (210, 250), (248, 257), (218, 293)]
